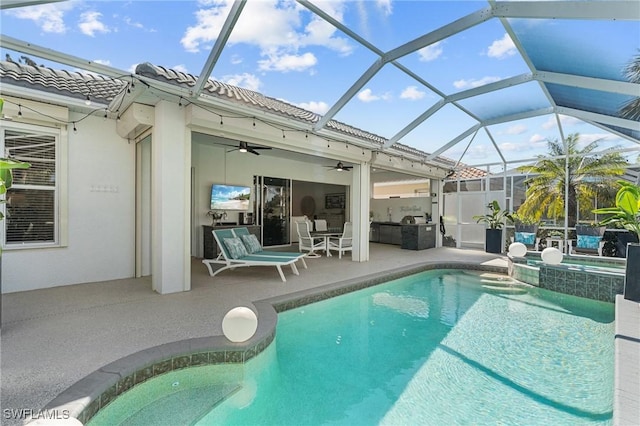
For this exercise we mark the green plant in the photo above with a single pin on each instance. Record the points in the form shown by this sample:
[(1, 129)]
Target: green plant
[(6, 175), (570, 168), (496, 218), (627, 209), (521, 219)]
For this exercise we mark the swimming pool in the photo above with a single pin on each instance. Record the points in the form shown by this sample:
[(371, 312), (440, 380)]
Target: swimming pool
[(439, 347)]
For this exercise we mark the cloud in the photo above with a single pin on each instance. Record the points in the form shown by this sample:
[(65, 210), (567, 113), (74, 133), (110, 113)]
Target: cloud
[(276, 28), (431, 52), (132, 68), (385, 6), (468, 84), (502, 48), (516, 129), (286, 62), (180, 68), (412, 93), (510, 147), (367, 96), (315, 106), (245, 80), (236, 59), (537, 139), (90, 24), (565, 120), (102, 61), (131, 23), (49, 17)]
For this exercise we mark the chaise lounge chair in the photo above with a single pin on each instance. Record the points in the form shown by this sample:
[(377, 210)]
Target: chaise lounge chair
[(233, 254), (254, 248)]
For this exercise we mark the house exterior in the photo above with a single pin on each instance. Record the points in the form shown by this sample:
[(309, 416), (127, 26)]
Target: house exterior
[(122, 169)]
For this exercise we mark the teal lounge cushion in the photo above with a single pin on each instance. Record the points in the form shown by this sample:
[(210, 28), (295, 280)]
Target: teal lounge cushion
[(526, 238), (251, 243), (235, 247), (589, 241)]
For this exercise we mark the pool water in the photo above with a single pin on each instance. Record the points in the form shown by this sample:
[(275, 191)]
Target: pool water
[(436, 348)]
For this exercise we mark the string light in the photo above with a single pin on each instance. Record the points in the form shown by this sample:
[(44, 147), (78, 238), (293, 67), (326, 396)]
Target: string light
[(131, 85)]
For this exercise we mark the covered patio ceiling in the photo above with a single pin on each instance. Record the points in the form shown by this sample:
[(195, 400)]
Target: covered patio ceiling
[(483, 83)]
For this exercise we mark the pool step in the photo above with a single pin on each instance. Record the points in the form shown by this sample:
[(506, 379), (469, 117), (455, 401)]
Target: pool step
[(185, 407)]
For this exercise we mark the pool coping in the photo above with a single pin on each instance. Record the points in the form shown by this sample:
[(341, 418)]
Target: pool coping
[(85, 398)]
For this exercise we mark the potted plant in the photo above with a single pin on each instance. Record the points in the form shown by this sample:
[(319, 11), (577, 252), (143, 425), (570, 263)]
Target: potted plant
[(495, 221), (626, 213)]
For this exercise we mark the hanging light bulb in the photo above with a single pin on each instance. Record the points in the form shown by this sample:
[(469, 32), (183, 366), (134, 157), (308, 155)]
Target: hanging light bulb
[(19, 110), (87, 101), (75, 130)]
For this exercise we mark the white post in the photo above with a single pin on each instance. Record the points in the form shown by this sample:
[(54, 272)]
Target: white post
[(360, 196), (171, 170)]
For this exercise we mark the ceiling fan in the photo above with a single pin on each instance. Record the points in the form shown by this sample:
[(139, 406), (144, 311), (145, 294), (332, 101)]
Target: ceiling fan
[(340, 167), (245, 147)]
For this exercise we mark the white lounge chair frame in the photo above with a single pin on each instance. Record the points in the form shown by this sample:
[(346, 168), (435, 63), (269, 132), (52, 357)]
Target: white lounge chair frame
[(225, 259), (239, 232)]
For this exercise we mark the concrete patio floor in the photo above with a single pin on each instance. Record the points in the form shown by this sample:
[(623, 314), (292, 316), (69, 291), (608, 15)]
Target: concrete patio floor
[(54, 337)]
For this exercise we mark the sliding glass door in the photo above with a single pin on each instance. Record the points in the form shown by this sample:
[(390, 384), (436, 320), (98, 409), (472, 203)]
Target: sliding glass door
[(273, 209)]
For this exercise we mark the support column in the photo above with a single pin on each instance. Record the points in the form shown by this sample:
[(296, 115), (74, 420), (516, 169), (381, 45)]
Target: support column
[(360, 196), (171, 200)]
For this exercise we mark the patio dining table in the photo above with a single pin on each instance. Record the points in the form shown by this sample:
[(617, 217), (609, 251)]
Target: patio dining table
[(326, 235)]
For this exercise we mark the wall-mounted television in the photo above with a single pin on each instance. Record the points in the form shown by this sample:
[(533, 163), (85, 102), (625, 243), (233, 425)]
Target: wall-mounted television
[(230, 197)]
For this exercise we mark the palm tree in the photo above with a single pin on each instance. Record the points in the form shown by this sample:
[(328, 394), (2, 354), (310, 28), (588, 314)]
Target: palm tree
[(588, 177), (631, 109)]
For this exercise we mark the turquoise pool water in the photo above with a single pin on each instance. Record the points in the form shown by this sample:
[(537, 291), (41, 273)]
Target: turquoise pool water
[(440, 347)]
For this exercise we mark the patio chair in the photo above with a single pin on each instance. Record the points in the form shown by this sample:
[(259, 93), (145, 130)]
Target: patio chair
[(233, 254), (320, 225), (308, 243), (254, 248), (344, 242), (589, 240)]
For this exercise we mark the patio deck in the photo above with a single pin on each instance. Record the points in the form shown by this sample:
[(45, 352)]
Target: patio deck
[(54, 337)]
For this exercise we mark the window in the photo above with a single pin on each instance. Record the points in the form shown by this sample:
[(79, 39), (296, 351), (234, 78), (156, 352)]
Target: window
[(31, 214)]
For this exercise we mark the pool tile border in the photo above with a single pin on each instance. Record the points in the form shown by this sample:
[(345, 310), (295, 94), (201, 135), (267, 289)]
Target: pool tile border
[(89, 395)]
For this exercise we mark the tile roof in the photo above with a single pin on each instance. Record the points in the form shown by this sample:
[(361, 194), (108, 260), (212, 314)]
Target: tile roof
[(253, 99), (73, 84), (103, 89)]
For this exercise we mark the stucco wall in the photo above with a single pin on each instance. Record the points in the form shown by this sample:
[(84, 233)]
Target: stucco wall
[(101, 216)]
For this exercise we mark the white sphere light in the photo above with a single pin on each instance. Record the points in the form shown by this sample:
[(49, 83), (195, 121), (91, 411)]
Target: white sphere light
[(239, 324), (517, 250), (552, 256)]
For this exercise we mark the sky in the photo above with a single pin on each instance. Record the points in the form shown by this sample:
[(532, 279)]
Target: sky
[(283, 50)]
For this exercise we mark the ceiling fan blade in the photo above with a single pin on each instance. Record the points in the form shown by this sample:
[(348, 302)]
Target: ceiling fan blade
[(259, 147), (253, 151)]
